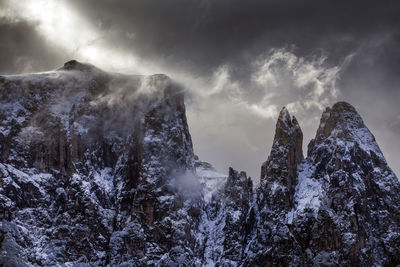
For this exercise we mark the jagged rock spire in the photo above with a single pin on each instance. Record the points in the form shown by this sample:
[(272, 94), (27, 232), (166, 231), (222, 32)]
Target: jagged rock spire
[(344, 206), (286, 153), (275, 196)]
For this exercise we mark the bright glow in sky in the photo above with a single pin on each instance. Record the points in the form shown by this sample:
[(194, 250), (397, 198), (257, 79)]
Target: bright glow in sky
[(63, 27)]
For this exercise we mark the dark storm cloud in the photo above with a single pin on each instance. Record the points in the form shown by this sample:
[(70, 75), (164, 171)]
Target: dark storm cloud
[(226, 42), (202, 34)]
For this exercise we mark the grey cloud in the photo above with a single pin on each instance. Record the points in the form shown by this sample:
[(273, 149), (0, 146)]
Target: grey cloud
[(207, 33)]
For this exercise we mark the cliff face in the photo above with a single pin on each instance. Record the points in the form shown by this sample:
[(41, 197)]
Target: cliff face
[(99, 168), (89, 163)]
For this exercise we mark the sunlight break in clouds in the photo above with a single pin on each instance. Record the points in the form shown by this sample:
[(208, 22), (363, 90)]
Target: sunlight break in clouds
[(63, 27)]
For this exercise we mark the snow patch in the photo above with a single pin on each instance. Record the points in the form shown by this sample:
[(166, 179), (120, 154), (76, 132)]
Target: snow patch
[(309, 190)]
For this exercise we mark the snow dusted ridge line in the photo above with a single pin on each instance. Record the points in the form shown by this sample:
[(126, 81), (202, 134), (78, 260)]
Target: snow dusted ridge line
[(98, 169)]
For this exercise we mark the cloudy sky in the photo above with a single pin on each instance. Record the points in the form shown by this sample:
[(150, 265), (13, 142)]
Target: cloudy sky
[(241, 61)]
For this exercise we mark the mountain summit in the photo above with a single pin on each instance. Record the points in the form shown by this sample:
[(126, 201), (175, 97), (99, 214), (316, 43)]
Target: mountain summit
[(98, 169), (343, 209)]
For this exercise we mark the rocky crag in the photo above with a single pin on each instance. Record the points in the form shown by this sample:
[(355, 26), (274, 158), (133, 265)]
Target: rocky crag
[(339, 207), (98, 169)]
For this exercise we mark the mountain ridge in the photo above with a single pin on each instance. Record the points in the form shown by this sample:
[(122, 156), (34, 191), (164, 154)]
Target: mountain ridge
[(98, 168)]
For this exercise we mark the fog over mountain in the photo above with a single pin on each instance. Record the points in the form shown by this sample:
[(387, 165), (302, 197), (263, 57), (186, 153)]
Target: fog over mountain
[(240, 61)]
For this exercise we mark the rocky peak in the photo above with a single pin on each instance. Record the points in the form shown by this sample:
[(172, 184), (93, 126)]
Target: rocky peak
[(345, 180), (239, 180), (287, 131), (338, 116), (279, 171), (342, 123), (76, 65), (341, 205), (275, 196)]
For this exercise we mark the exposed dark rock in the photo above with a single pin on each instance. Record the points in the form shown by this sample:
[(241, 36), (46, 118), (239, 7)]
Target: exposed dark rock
[(275, 196), (279, 172)]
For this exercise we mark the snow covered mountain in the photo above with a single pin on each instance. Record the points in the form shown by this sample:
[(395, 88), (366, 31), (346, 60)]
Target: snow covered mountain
[(340, 206), (98, 169), (91, 166)]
